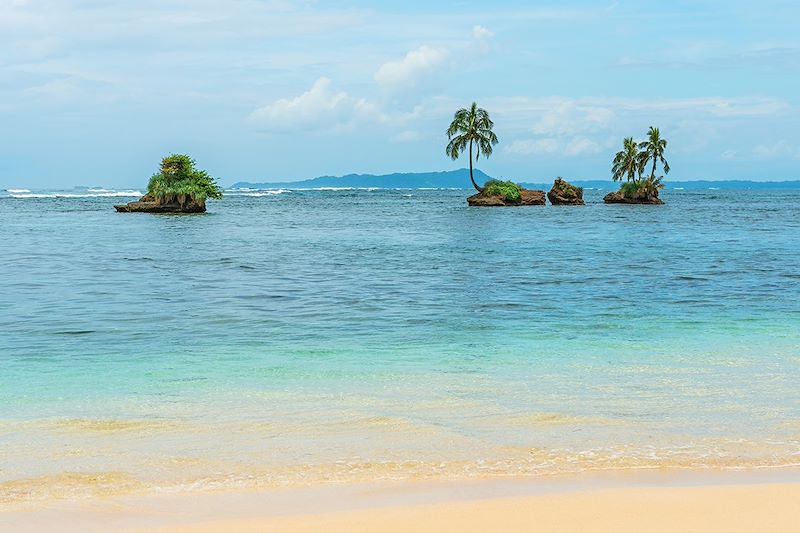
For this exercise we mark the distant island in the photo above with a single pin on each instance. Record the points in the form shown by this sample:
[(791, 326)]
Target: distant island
[(459, 179), (453, 179)]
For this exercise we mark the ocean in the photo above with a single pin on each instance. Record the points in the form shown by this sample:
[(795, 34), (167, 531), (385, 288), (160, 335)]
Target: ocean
[(294, 338)]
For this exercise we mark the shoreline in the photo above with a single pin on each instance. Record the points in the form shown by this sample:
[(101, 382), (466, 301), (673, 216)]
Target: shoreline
[(622, 500)]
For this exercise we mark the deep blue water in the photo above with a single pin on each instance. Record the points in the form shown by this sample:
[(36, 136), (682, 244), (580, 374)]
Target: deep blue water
[(396, 327)]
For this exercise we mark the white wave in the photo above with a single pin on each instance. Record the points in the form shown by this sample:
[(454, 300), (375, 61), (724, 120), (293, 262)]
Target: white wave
[(99, 190), (112, 194), (369, 189), (678, 189), (259, 193), (713, 188), (18, 190)]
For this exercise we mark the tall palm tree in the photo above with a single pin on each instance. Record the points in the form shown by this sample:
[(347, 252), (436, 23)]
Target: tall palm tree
[(628, 161), (471, 126), (653, 148)]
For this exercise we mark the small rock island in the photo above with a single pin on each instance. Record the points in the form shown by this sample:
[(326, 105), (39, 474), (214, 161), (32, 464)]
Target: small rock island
[(564, 193), (178, 188), (497, 193), (638, 196)]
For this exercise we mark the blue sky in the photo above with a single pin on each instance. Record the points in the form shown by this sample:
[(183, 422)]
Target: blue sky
[(95, 92)]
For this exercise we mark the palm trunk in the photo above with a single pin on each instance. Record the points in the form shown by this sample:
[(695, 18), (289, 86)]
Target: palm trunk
[(653, 173), (479, 189)]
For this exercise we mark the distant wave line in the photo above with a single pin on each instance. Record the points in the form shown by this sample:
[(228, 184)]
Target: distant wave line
[(244, 191), (112, 194)]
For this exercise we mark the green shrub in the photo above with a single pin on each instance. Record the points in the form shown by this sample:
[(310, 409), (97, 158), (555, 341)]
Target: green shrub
[(629, 189), (568, 189), (179, 178), (646, 188), (650, 186), (508, 190)]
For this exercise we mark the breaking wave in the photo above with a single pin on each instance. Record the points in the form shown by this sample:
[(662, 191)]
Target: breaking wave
[(89, 194)]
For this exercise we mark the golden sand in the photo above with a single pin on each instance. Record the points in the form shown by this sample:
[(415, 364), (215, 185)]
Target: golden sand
[(763, 500), (734, 508)]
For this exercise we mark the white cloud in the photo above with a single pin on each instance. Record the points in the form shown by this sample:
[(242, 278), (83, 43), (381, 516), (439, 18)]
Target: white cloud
[(564, 127), (728, 154), (319, 108), (533, 146), (715, 106), (568, 117), (407, 71), (57, 88), (592, 125), (573, 146), (781, 148), (580, 146), (600, 109), (406, 136), (421, 64), (483, 37), (480, 33)]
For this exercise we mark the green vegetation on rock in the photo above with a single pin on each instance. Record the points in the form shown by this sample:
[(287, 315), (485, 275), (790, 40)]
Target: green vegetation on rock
[(180, 180), (567, 189), (645, 188), (508, 190)]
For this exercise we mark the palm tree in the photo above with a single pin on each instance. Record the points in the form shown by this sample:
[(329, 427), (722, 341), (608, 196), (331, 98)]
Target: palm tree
[(470, 126), (653, 148), (628, 161)]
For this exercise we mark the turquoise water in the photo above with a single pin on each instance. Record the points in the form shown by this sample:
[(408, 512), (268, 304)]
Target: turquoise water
[(316, 336)]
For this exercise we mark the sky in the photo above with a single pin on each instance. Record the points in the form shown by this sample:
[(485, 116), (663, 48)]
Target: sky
[(95, 92)]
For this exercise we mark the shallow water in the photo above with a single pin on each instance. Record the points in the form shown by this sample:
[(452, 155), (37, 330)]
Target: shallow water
[(312, 336)]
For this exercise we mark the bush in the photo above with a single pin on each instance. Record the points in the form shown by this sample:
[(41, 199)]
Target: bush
[(568, 189), (646, 188), (629, 189), (651, 186), (508, 190), (178, 178)]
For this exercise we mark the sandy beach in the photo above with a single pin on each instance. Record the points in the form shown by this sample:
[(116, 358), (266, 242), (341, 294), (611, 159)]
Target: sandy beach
[(689, 501), (756, 508)]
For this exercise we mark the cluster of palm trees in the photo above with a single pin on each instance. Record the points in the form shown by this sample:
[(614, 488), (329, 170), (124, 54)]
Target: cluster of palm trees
[(471, 129), (634, 158)]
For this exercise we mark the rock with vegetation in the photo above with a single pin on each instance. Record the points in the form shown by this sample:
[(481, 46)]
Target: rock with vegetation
[(151, 204), (630, 163), (471, 131), (640, 192), (497, 193), (564, 193), (178, 188)]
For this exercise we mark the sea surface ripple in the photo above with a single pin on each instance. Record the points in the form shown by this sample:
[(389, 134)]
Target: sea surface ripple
[(295, 337)]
